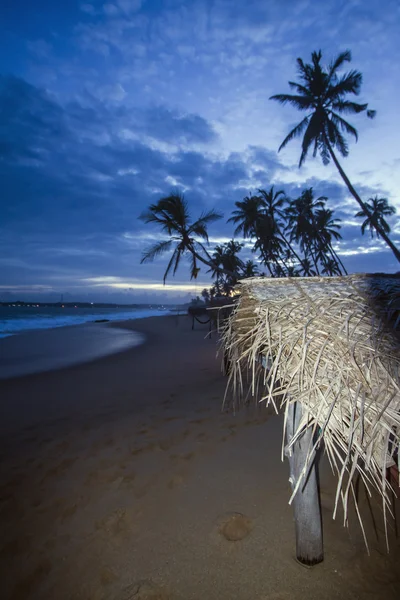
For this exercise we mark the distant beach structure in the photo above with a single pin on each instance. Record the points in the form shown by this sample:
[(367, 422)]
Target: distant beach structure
[(325, 351)]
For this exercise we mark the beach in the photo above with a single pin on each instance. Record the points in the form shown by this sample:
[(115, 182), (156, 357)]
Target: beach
[(122, 478)]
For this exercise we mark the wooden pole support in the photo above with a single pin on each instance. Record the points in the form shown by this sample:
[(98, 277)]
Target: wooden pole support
[(306, 503)]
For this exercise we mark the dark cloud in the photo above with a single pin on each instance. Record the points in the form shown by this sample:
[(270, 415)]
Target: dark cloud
[(168, 125), (266, 159), (73, 184), (75, 178)]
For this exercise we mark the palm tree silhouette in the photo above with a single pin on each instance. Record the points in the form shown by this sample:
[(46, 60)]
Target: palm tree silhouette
[(330, 267), (322, 93), (378, 209), (326, 228), (274, 203), (301, 223), (172, 215), (250, 269), (247, 215), (250, 220), (226, 260)]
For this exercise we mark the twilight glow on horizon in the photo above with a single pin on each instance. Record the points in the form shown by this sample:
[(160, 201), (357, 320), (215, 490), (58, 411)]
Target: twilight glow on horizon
[(107, 106)]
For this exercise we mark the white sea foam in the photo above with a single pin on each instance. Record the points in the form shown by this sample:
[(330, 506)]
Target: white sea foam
[(18, 319)]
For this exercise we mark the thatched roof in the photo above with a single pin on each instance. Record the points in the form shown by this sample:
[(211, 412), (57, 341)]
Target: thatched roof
[(331, 344)]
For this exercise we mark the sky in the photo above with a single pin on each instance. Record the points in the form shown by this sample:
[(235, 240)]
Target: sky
[(107, 106)]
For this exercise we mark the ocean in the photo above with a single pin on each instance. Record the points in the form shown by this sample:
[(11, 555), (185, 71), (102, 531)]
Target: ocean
[(18, 319)]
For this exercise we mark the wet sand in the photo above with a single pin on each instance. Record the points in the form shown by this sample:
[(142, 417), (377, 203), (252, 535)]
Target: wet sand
[(122, 479), (50, 349)]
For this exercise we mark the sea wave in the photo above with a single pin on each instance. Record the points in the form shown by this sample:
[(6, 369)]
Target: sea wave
[(13, 325)]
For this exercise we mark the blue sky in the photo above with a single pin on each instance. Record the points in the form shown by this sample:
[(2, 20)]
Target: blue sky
[(107, 106)]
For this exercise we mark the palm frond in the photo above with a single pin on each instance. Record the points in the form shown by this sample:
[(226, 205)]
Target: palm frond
[(194, 269), (301, 89), (336, 138), (199, 227), (311, 134), (157, 249), (349, 83), (300, 102), (173, 262), (346, 106), (150, 216), (335, 65), (296, 132), (345, 126)]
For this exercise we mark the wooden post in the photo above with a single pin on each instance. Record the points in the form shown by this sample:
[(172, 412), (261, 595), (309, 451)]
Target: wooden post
[(306, 503)]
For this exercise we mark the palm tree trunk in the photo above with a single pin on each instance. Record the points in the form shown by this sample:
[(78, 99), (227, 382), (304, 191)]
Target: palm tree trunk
[(292, 250), (313, 257), (306, 503), (337, 258), (334, 256), (266, 263), (363, 206), (266, 260)]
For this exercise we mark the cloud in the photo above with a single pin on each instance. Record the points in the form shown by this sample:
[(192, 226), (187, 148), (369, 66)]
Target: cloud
[(75, 183), (127, 99)]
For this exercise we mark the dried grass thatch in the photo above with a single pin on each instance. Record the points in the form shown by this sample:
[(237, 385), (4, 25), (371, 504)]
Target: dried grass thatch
[(330, 344)]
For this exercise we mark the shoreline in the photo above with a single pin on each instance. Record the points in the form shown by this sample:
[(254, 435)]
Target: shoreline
[(67, 345), (122, 478), (94, 319)]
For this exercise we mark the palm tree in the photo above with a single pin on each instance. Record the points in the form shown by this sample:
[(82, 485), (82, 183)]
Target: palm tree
[(172, 215), (322, 93), (205, 294), (330, 267), (378, 208), (274, 203), (247, 215), (250, 269), (254, 222), (227, 266), (326, 228), (301, 222)]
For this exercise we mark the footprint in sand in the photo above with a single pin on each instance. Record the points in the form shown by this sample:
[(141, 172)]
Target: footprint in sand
[(115, 524), (235, 527), (107, 576), (144, 590), (27, 586), (175, 481)]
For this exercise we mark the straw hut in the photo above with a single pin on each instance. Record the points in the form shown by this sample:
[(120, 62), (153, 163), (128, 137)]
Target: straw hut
[(325, 352)]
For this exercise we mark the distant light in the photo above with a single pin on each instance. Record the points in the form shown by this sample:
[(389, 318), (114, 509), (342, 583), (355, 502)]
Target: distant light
[(62, 306)]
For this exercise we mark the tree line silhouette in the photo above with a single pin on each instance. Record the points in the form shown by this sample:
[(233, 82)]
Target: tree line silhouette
[(291, 237)]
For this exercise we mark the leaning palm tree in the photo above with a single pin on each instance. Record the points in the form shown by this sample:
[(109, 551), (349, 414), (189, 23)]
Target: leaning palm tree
[(250, 269), (172, 215), (301, 222), (227, 265), (330, 267), (246, 216), (327, 228), (274, 203), (322, 93), (378, 208), (255, 221)]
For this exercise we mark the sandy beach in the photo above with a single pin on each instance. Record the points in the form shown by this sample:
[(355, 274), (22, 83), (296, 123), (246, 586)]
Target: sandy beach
[(122, 479)]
